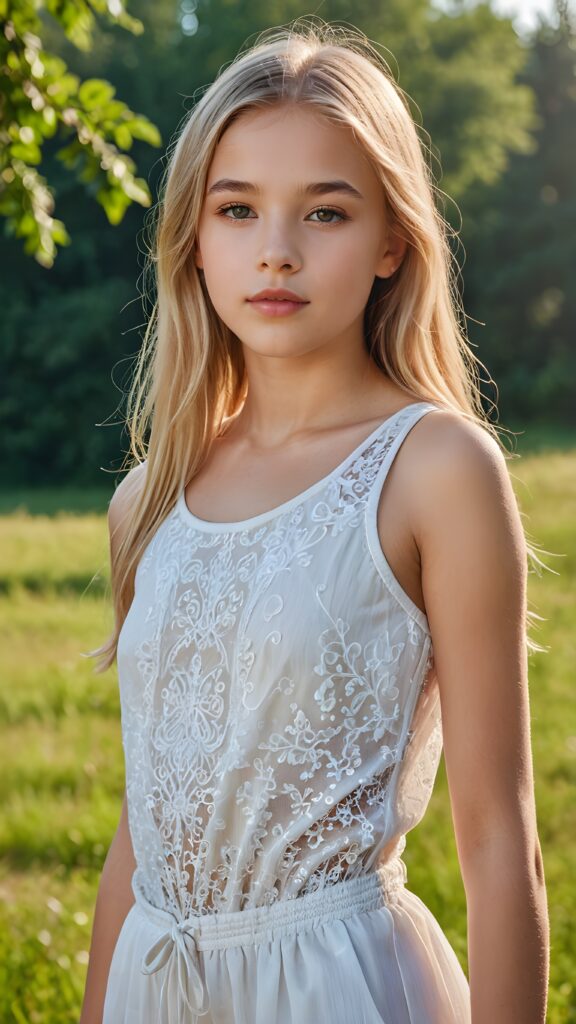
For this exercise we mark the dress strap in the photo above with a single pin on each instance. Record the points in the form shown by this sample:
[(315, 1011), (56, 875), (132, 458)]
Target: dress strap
[(380, 469), (391, 441)]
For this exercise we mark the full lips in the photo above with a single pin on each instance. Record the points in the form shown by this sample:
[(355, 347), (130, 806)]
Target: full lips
[(277, 307)]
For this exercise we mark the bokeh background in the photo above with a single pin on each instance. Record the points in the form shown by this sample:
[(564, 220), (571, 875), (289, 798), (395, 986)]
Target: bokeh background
[(90, 97)]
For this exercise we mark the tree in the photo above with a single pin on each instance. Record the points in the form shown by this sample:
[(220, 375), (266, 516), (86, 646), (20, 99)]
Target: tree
[(460, 70), (39, 98), (522, 245), (69, 337)]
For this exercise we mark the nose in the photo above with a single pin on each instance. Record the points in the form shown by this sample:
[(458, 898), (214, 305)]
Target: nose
[(279, 252)]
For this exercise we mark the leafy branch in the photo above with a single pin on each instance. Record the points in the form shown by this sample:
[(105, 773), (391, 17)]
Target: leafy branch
[(39, 97)]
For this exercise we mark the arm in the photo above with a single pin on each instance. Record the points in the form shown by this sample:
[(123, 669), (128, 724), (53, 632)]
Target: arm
[(115, 896), (473, 561), (113, 902)]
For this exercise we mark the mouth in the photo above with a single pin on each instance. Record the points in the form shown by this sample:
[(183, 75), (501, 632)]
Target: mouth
[(278, 295), (271, 305)]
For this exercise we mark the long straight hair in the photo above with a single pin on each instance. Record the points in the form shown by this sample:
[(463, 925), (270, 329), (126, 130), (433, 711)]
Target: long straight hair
[(190, 376)]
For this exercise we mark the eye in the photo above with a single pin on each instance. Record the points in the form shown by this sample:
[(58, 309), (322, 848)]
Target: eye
[(321, 210), (236, 207), (331, 213)]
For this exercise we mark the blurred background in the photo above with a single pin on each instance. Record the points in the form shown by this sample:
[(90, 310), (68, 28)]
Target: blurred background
[(91, 95)]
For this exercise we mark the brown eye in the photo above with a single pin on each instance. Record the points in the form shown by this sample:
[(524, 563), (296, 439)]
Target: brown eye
[(326, 215)]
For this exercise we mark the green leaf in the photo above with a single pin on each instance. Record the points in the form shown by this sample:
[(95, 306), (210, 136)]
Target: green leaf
[(26, 225), (76, 19), (114, 202), (29, 152), (13, 60), (94, 93), (113, 111), (59, 233), (62, 88), (122, 137), (49, 122), (142, 128), (55, 67)]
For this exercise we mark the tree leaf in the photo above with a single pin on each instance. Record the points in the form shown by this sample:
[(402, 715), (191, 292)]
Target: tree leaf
[(122, 137), (29, 152), (94, 93), (114, 202), (142, 128)]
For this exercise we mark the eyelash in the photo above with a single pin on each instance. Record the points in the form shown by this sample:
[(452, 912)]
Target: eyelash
[(320, 209)]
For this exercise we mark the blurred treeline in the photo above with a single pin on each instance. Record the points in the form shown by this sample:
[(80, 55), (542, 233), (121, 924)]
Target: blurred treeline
[(500, 113)]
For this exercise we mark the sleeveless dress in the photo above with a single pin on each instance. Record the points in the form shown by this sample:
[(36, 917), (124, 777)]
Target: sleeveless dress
[(281, 730)]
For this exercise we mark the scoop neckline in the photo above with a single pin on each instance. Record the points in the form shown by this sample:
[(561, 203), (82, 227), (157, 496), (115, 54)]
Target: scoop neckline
[(213, 526)]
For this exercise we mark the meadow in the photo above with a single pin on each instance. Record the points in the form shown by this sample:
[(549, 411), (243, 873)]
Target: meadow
[(62, 778)]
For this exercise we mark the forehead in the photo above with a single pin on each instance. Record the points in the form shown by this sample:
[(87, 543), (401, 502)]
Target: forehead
[(290, 142)]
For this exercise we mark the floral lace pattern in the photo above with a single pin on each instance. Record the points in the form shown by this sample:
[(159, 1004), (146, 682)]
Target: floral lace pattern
[(280, 718)]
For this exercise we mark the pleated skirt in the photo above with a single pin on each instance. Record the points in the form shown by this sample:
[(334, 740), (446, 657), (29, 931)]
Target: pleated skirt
[(362, 951)]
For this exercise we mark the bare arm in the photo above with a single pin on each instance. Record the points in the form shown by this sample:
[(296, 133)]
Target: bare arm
[(113, 902), (115, 896), (473, 558)]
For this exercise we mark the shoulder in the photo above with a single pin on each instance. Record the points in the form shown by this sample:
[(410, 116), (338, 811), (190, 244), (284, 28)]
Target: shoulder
[(464, 486), (454, 452), (122, 501), (452, 441)]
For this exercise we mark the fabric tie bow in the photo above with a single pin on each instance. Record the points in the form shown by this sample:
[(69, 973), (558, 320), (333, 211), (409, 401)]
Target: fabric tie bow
[(176, 950)]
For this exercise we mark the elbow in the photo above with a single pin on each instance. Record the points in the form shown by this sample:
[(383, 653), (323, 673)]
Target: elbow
[(539, 863)]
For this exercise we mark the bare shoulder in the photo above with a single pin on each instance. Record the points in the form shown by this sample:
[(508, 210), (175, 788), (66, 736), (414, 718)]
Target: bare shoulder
[(461, 475), (472, 549), (450, 441), (122, 501)]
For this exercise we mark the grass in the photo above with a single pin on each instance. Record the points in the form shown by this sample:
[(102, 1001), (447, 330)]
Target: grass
[(62, 782)]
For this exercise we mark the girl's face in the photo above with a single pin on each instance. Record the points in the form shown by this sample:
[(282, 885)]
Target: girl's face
[(292, 203)]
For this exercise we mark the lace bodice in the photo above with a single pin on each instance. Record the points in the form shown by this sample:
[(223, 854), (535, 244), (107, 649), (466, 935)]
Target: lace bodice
[(280, 711)]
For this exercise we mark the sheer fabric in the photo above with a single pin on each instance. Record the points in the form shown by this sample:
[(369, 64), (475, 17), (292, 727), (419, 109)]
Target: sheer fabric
[(282, 733)]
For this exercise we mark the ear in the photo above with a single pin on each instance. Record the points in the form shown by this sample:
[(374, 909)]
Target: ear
[(198, 257), (392, 256)]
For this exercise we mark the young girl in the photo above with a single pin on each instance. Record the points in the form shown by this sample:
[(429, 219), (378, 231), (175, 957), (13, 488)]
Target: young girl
[(319, 575)]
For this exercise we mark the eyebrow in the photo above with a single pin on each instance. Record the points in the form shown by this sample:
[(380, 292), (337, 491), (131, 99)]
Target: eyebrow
[(317, 188)]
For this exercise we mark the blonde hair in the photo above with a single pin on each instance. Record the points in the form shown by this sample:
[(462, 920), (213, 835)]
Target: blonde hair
[(190, 375)]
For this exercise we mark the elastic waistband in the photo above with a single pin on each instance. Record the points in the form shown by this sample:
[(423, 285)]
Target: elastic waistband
[(175, 951), (239, 927)]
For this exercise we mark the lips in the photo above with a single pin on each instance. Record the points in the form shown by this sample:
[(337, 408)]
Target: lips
[(277, 295), (277, 303)]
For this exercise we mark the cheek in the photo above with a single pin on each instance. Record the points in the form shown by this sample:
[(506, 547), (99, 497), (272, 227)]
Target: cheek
[(219, 263), (350, 267)]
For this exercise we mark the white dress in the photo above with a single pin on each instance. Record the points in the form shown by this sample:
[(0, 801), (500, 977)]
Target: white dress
[(282, 732)]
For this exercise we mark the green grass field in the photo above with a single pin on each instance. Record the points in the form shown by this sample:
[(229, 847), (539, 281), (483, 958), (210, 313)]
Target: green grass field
[(62, 776)]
